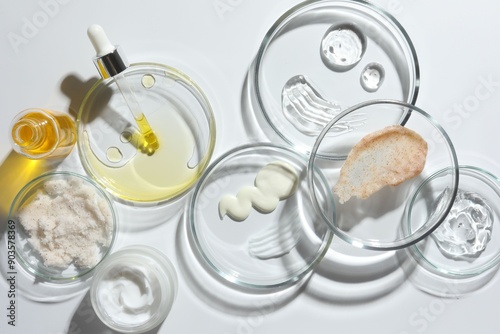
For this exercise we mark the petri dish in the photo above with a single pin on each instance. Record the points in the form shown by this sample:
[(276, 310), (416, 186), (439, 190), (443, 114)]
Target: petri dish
[(134, 289), (321, 57), (465, 249), (53, 242), (376, 222), (265, 250), (109, 141)]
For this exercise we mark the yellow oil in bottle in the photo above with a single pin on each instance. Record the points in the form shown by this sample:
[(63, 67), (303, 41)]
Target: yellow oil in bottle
[(38, 133)]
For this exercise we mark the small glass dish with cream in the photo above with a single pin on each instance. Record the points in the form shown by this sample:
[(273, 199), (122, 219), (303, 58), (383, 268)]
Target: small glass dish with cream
[(375, 222), (252, 221), (133, 290), (64, 224)]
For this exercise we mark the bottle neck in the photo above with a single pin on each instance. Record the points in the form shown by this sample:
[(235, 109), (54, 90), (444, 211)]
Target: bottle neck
[(28, 133)]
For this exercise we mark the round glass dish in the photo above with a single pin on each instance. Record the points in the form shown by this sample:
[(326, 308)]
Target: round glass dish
[(110, 144), (64, 225), (468, 241), (133, 290), (272, 250), (298, 90), (376, 222)]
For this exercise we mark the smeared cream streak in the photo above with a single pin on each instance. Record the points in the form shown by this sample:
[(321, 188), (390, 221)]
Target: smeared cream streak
[(274, 182)]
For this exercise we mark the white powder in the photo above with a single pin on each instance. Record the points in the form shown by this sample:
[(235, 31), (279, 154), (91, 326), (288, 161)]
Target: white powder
[(68, 222)]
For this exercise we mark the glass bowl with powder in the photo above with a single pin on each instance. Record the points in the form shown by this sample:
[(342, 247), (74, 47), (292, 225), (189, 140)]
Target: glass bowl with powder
[(65, 224)]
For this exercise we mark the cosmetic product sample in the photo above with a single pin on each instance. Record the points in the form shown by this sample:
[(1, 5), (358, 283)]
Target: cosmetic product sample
[(274, 182), (110, 63), (134, 289), (116, 141), (39, 133)]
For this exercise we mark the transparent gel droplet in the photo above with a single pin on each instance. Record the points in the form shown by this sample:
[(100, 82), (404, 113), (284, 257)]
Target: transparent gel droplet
[(148, 80), (466, 230), (342, 47), (308, 112), (372, 77)]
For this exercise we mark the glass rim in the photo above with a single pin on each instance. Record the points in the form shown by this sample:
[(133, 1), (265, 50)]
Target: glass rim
[(420, 233), (208, 114), (302, 7), (471, 171), (36, 181), (327, 239), (164, 267)]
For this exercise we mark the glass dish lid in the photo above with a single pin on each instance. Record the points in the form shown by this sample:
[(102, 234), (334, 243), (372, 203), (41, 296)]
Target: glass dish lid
[(467, 243), (373, 171), (252, 220), (65, 225), (321, 57), (111, 145)]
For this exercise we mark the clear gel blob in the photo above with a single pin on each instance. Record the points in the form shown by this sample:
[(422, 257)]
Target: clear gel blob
[(342, 47), (372, 77), (466, 230), (309, 112)]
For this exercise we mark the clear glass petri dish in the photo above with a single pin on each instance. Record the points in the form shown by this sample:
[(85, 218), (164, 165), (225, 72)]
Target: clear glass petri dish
[(109, 141), (63, 225), (294, 85), (467, 244), (134, 289), (376, 222), (265, 250)]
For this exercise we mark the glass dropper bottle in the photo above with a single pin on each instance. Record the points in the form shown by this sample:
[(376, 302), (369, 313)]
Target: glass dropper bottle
[(111, 63), (42, 134)]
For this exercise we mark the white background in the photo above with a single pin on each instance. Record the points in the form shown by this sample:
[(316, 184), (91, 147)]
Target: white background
[(214, 42)]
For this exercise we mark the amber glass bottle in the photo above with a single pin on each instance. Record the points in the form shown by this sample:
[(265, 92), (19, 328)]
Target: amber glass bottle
[(39, 134)]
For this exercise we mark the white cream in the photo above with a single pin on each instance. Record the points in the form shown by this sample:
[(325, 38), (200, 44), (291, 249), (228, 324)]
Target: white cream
[(274, 182), (127, 294)]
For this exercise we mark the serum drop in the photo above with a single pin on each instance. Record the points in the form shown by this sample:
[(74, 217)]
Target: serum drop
[(39, 134)]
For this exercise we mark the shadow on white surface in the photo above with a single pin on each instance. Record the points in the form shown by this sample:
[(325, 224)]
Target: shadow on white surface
[(220, 294), (75, 88), (85, 320), (15, 172), (256, 127), (349, 275), (440, 284)]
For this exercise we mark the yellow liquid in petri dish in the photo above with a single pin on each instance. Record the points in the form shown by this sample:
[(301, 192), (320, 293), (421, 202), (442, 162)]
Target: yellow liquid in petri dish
[(160, 176)]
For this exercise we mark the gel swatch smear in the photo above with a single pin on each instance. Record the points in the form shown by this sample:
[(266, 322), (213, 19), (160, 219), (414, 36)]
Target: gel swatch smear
[(309, 112), (466, 230), (274, 182)]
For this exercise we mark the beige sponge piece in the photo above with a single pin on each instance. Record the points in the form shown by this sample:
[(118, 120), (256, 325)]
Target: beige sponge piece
[(388, 156)]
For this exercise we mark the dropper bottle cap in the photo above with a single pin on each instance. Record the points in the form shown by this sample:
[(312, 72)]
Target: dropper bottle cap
[(109, 59), (111, 63)]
